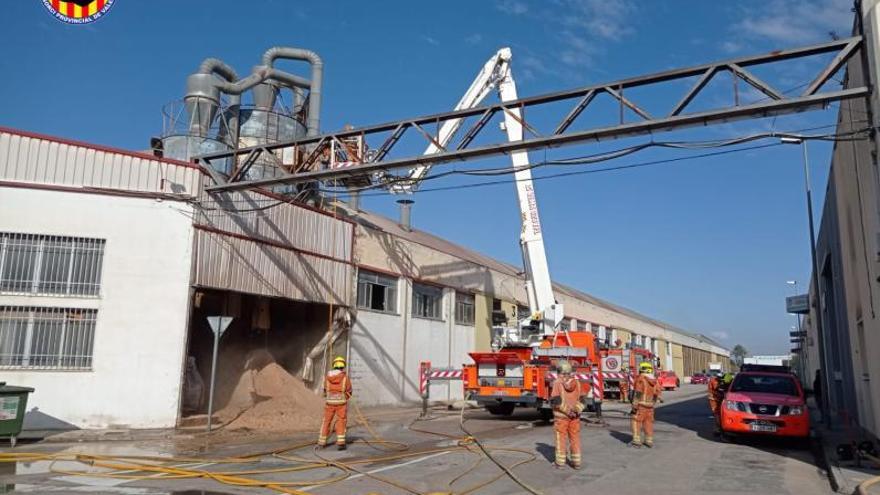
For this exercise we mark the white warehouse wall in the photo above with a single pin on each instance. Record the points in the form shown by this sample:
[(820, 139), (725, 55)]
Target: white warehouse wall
[(386, 350), (141, 324)]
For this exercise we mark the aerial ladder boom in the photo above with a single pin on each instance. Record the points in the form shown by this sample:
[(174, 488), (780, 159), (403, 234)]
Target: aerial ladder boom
[(487, 80), (544, 310)]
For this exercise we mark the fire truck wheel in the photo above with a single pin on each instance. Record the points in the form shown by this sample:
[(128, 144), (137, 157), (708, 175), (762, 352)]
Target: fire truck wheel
[(503, 409)]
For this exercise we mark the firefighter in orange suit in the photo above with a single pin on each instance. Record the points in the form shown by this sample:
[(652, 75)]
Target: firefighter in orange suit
[(646, 393), (565, 398), (337, 392), (624, 385), (714, 403)]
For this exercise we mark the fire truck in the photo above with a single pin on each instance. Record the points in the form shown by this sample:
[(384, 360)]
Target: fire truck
[(622, 364), (520, 369), (516, 376)]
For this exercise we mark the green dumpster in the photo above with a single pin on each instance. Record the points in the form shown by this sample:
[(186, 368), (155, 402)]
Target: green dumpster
[(13, 404)]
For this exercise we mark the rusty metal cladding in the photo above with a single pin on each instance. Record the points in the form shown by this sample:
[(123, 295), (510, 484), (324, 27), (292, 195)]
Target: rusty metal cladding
[(39, 160), (258, 216), (230, 263)]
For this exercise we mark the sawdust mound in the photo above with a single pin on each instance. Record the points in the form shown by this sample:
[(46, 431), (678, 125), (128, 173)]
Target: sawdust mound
[(272, 399)]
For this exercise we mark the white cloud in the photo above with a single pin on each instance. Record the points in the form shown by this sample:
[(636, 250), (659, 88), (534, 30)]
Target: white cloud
[(606, 19), (732, 47), (429, 40), (515, 7), (474, 39), (798, 21), (580, 27)]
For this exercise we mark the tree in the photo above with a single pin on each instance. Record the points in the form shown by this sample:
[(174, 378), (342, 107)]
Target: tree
[(738, 353)]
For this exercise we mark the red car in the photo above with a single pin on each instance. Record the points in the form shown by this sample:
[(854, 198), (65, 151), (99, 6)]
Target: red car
[(699, 379), (668, 380), (765, 403)]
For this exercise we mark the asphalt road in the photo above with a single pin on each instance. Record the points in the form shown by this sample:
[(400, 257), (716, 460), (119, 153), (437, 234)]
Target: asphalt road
[(687, 458)]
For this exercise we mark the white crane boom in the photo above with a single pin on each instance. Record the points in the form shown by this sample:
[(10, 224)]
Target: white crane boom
[(496, 75), (495, 69)]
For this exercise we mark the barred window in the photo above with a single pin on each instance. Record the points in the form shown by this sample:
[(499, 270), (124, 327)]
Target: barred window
[(464, 308), (427, 302), (581, 326), (36, 264), (46, 338), (377, 292)]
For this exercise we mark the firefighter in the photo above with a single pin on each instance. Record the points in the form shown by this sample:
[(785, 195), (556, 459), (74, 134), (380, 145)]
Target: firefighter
[(646, 393), (624, 385), (337, 392), (565, 398), (717, 389), (715, 402)]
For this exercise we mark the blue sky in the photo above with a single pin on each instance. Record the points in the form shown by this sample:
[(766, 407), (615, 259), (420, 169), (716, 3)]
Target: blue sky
[(705, 244)]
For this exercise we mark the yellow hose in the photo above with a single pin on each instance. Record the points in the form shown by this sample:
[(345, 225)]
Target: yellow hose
[(863, 486), (137, 467)]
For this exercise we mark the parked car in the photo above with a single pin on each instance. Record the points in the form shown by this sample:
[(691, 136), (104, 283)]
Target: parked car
[(765, 403), (668, 380), (699, 379)]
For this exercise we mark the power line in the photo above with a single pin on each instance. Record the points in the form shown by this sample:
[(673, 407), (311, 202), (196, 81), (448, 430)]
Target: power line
[(577, 161), (585, 172), (610, 155)]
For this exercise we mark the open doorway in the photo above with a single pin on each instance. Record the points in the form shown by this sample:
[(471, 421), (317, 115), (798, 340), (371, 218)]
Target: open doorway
[(270, 361)]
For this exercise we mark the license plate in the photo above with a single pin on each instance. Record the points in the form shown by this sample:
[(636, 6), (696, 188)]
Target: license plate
[(764, 428), (501, 392)]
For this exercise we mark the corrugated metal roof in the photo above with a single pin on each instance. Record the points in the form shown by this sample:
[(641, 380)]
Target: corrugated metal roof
[(389, 226), (30, 158)]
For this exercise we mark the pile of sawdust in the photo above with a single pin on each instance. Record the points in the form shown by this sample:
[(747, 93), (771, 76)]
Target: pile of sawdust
[(272, 399)]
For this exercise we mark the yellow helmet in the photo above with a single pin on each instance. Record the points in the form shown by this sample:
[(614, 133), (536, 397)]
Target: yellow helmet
[(646, 367), (339, 363), (727, 379), (564, 367)]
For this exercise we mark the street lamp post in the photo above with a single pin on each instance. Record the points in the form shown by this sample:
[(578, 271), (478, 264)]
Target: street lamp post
[(797, 329), (814, 280)]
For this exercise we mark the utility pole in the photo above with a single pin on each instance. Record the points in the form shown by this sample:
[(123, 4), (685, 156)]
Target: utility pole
[(814, 282)]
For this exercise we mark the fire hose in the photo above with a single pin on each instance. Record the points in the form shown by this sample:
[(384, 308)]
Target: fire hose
[(137, 468)]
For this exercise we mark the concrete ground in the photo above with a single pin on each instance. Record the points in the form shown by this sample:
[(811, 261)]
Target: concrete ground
[(687, 458)]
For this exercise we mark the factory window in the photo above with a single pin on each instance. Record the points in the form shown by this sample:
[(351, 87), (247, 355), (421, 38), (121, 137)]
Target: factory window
[(427, 302), (581, 326), (565, 324), (46, 338), (377, 292), (464, 308), (50, 265)]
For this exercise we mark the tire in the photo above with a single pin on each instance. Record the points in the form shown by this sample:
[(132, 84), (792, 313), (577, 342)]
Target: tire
[(503, 409)]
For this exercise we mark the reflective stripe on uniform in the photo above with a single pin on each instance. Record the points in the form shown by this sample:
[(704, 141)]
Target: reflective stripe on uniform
[(560, 453)]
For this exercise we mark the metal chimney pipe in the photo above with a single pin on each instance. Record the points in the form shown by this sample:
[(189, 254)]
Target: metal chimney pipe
[(203, 95), (405, 213), (317, 81)]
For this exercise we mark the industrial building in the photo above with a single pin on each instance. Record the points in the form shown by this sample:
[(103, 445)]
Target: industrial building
[(112, 260), (848, 253)]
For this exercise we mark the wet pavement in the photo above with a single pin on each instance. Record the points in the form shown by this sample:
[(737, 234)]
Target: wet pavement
[(687, 459)]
